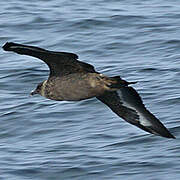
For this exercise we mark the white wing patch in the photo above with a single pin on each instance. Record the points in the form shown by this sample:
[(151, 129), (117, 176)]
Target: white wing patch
[(142, 119)]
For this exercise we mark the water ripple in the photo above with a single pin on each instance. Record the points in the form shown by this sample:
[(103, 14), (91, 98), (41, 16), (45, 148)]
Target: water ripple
[(44, 139)]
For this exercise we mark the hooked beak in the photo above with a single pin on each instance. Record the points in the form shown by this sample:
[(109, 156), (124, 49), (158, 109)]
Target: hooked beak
[(33, 92)]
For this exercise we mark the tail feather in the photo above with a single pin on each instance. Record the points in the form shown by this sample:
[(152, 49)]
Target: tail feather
[(117, 82)]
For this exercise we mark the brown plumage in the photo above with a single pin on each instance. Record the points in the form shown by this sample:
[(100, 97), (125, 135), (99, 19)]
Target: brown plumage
[(74, 80)]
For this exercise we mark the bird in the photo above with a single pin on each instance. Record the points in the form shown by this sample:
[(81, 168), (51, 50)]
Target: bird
[(73, 80)]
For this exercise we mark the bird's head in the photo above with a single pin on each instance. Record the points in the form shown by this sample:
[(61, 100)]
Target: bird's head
[(38, 89)]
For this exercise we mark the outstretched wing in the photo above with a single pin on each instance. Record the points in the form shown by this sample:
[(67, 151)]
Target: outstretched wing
[(127, 104), (60, 63)]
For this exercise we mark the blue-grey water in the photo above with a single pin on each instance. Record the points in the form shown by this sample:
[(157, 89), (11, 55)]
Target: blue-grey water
[(41, 139)]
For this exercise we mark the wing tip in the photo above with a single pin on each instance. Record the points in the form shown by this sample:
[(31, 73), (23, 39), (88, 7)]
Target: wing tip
[(168, 135), (7, 46), (161, 131)]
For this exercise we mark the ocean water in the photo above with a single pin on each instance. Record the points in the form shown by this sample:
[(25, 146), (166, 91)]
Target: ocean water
[(41, 139)]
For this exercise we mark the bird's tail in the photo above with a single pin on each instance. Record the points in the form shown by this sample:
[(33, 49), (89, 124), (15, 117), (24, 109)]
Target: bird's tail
[(116, 82)]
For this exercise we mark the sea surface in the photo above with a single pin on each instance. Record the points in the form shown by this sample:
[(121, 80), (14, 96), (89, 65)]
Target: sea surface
[(41, 139)]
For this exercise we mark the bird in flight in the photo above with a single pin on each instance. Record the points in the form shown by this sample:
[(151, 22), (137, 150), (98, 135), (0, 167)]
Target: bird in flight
[(73, 80)]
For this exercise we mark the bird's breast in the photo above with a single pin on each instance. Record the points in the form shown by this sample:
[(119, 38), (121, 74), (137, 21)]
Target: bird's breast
[(73, 87)]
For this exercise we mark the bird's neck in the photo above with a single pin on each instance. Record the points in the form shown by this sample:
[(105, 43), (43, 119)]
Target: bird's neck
[(43, 88)]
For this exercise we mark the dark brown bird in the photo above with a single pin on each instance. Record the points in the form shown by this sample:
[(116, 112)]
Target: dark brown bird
[(74, 80)]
